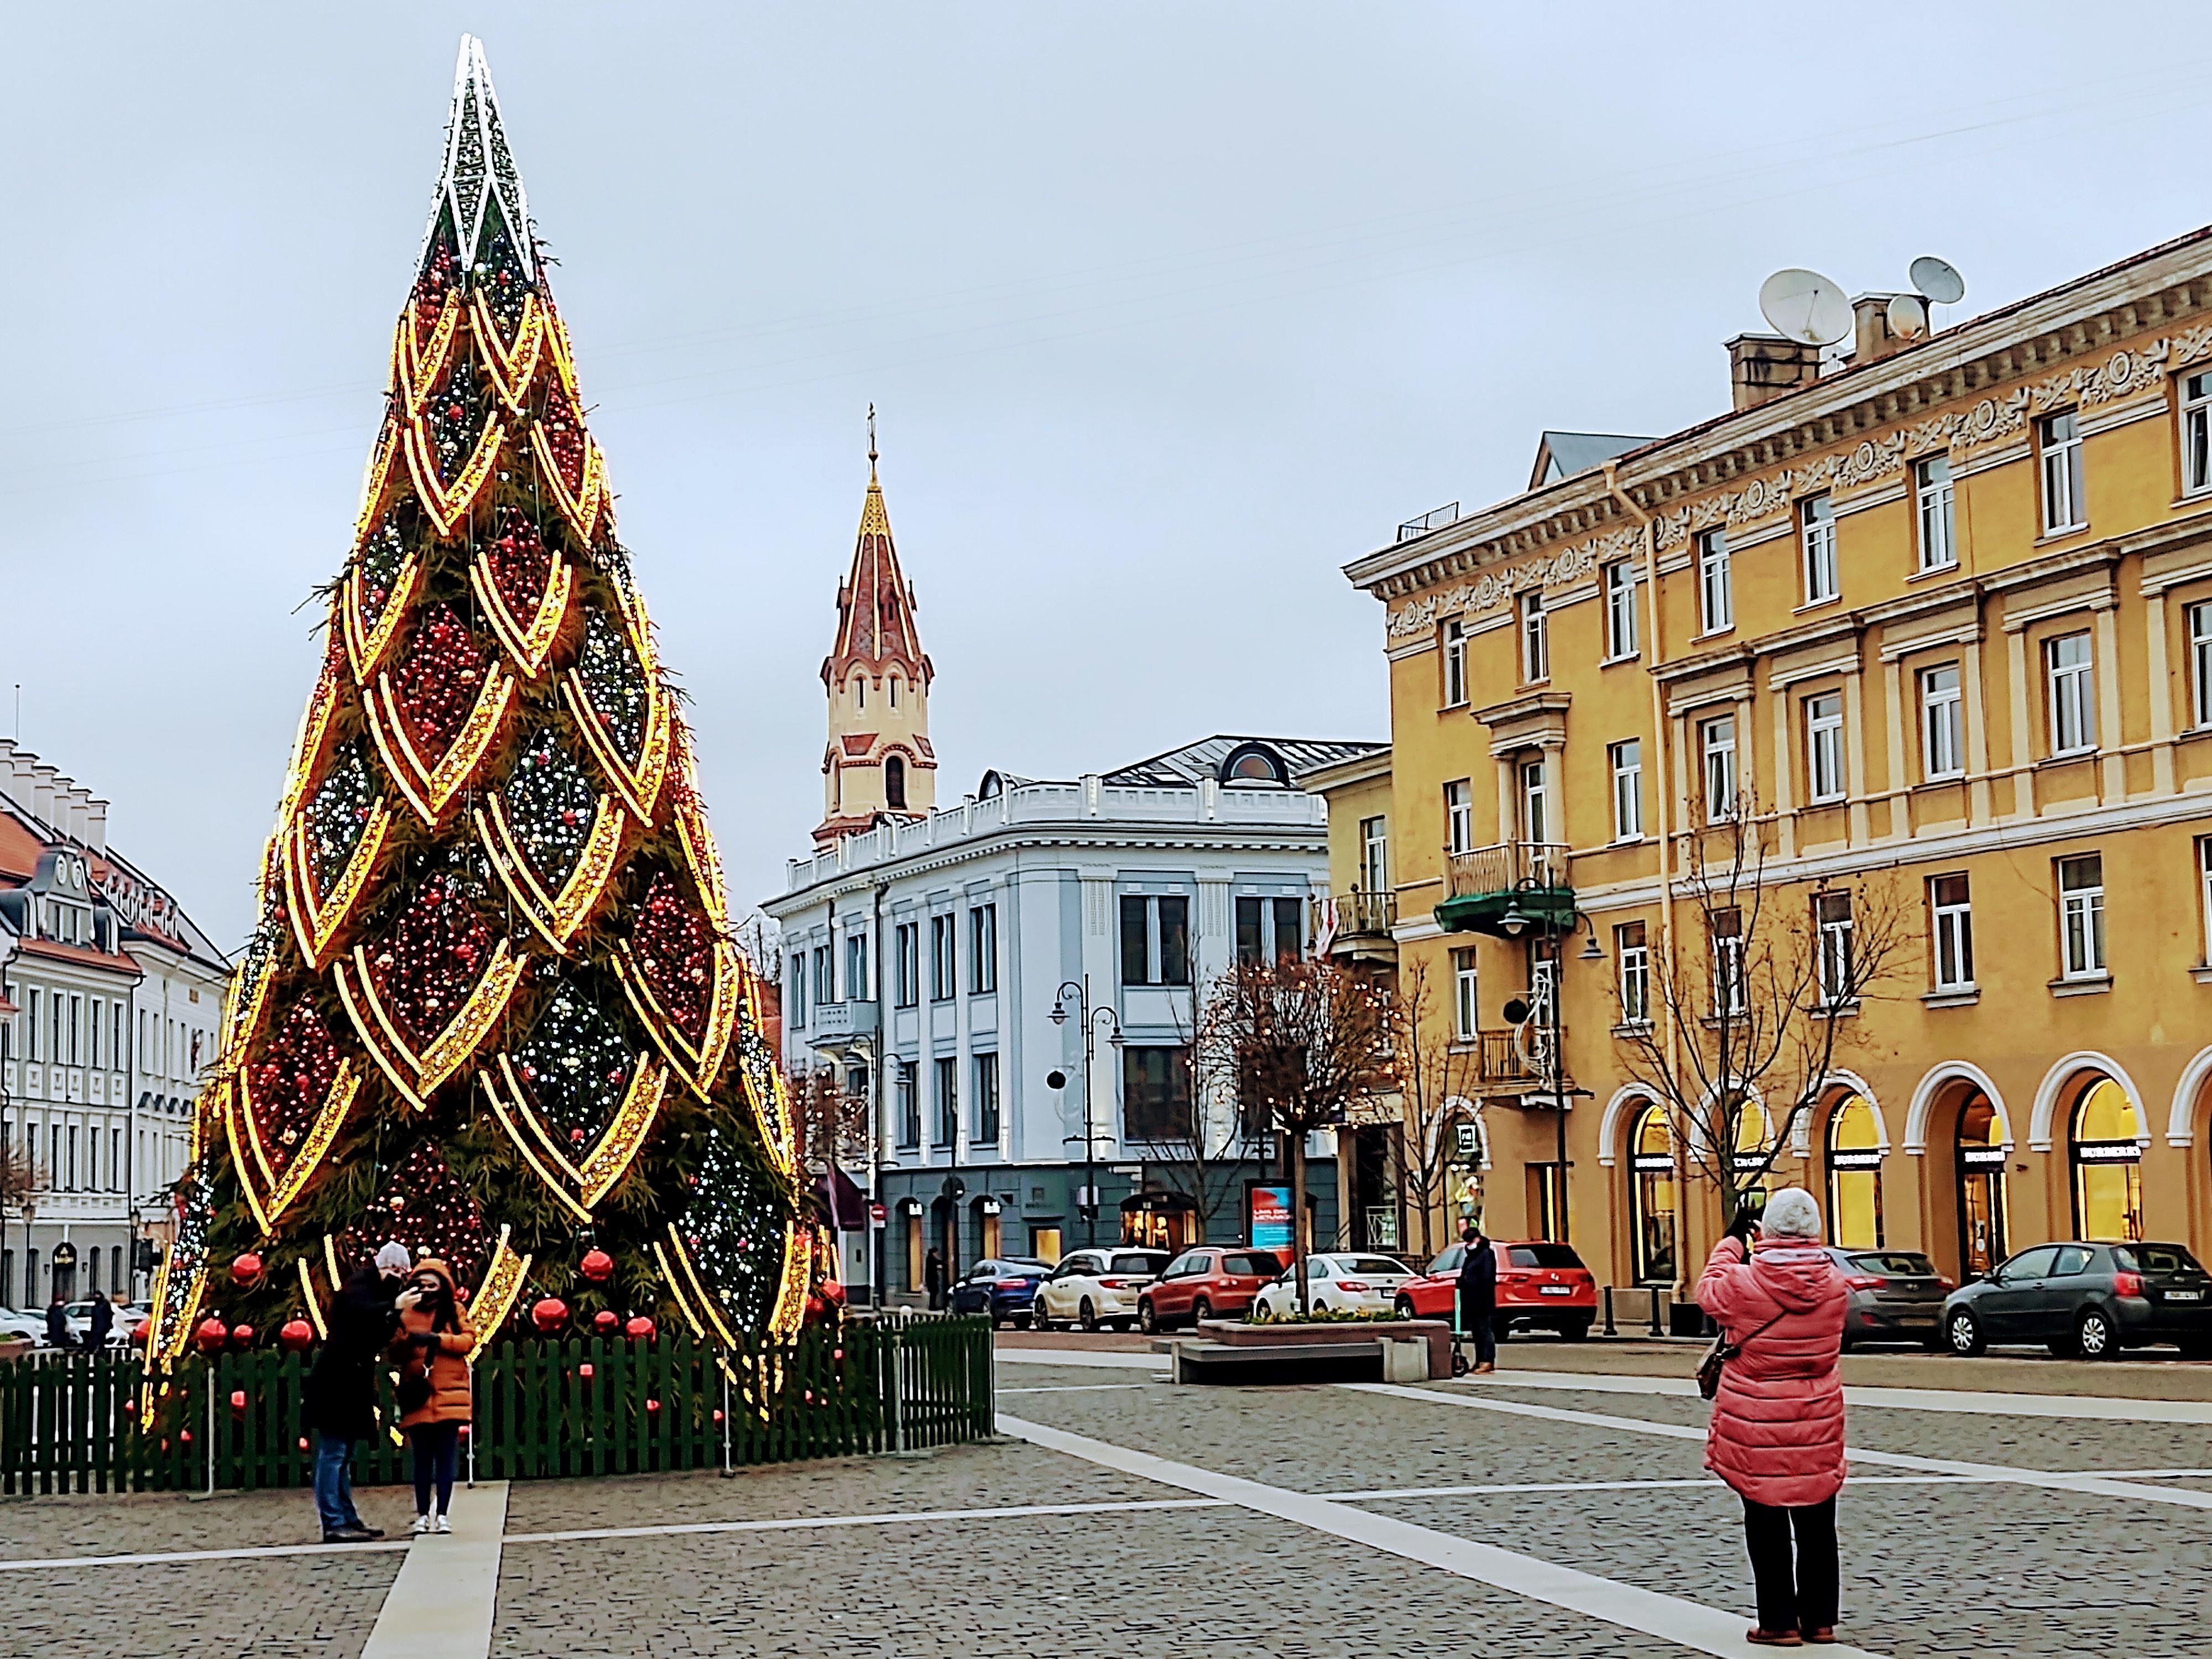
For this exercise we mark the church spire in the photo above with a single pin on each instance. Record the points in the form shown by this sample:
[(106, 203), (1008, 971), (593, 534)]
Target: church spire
[(879, 761)]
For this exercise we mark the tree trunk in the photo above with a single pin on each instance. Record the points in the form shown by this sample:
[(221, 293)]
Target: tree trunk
[(1297, 1150)]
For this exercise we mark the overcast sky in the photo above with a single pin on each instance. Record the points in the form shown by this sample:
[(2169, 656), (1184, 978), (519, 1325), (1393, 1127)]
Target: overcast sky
[(1169, 310)]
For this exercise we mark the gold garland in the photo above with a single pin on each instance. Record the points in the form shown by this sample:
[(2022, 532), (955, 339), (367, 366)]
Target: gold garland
[(330, 1118), (522, 1146), (529, 643), (611, 1156), (701, 1063), (416, 366), (495, 1297), (417, 1075), (315, 923), (512, 368), (582, 508), (430, 789), (448, 506), (556, 917), (366, 646)]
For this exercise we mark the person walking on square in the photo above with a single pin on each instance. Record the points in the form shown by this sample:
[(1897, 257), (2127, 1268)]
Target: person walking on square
[(435, 1341), (1478, 1298), (102, 1322), (341, 1391), (932, 1277), (1777, 1437), (58, 1329)]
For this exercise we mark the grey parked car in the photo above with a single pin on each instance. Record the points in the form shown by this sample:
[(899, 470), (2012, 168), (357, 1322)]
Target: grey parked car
[(2086, 1300), (1897, 1295)]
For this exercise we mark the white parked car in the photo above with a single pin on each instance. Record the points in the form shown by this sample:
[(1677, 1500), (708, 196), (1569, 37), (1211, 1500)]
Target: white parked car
[(1339, 1284), (15, 1323), (1095, 1287)]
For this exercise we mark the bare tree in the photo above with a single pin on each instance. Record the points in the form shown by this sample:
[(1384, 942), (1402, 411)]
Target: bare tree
[(830, 1120), (1201, 1155), (1437, 1077), (1756, 1002), (19, 1176), (1305, 1040)]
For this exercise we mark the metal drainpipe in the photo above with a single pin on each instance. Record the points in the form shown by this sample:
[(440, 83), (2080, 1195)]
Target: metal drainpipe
[(878, 1243)]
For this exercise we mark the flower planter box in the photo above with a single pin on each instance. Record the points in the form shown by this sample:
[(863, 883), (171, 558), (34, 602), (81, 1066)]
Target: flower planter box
[(1223, 1346)]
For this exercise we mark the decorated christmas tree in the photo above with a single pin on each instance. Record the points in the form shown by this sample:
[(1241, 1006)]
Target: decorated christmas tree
[(493, 1008)]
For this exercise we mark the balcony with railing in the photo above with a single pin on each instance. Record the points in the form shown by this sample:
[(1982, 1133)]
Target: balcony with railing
[(1510, 888), (1507, 1062), (1356, 923)]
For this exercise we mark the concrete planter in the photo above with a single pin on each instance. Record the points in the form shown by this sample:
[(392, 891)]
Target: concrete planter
[(1410, 1350)]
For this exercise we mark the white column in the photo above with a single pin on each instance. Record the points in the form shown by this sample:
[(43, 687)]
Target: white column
[(2023, 733)]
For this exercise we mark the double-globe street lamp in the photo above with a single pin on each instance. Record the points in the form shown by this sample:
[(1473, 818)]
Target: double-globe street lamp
[(1089, 1018), (1547, 917)]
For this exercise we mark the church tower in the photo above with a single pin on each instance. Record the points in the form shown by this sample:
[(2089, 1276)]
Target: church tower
[(879, 761)]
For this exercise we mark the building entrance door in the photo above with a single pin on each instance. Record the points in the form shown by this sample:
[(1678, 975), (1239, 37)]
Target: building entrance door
[(1981, 1176)]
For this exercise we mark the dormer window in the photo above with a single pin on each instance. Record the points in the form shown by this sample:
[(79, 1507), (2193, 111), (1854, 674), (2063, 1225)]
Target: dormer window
[(1254, 762)]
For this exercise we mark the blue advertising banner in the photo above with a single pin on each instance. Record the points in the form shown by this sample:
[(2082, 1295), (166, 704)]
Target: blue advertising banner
[(1267, 1218)]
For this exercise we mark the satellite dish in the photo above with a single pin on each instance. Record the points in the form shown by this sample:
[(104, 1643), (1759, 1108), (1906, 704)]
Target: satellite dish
[(1805, 306), (1908, 316), (1938, 279)]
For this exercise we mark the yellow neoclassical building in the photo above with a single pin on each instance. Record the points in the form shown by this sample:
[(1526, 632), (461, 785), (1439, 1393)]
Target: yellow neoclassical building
[(1940, 613)]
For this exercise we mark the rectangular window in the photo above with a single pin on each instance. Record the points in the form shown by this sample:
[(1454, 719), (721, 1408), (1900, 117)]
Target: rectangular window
[(987, 1099), (1454, 664), (1536, 637), (823, 990), (2196, 433), (1631, 947), (1156, 1102), (76, 1026), (906, 978), (1374, 855), (1270, 930), (942, 980), (2072, 698), (1716, 582), (1466, 1012), (92, 1027), (1816, 532), (1459, 817), (2204, 890), (1716, 745), (856, 967), (1824, 747), (2063, 506), (1619, 609), (1832, 916), (906, 1101), (2200, 663), (1942, 730), (947, 1069), (982, 949), (1951, 930), (1627, 760), (1729, 987), (2081, 917), (32, 1006), (1931, 490), (1155, 939), (1535, 801)]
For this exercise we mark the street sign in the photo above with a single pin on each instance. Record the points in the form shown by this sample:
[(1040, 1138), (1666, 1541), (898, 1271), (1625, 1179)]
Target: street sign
[(879, 1213), (1469, 1142)]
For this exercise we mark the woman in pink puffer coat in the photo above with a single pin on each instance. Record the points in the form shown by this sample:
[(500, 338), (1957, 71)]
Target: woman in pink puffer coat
[(1778, 1425)]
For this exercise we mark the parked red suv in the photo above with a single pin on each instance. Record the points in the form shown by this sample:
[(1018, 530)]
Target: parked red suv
[(1540, 1285), (1205, 1283)]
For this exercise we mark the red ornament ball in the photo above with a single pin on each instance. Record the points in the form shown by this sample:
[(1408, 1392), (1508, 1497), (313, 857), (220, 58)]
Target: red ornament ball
[(584, 1370), (245, 1272), (606, 1321), (140, 1332), (639, 1329), (833, 1291), (211, 1335), (241, 1337), (461, 1295), (238, 1400), (653, 1405), (549, 1314), (597, 1266), (297, 1336)]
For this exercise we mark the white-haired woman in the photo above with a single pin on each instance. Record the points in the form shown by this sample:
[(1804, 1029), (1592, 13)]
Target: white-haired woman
[(1778, 1425)]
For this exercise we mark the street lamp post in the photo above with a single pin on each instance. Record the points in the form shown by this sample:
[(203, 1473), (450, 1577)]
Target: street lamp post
[(1513, 924), (1088, 1016)]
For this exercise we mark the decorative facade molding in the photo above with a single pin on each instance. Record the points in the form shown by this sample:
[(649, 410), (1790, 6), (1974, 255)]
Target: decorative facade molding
[(1498, 587)]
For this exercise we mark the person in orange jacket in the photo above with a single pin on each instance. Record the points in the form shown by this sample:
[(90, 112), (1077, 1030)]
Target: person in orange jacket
[(433, 1343)]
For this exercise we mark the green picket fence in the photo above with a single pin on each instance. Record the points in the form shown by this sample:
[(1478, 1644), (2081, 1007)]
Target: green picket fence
[(544, 1410)]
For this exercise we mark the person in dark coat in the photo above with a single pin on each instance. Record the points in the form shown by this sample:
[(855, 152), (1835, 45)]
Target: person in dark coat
[(341, 1391), (932, 1277), (1477, 1299), (58, 1330), (103, 1322)]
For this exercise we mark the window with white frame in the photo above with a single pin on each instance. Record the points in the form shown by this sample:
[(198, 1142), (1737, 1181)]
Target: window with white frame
[(942, 944), (1942, 749), (1535, 801), (1932, 495), (985, 1067), (1728, 987), (1832, 917), (1155, 938), (1717, 745), (799, 990), (1536, 637), (2200, 663), (982, 949), (1626, 762), (1824, 746), (1455, 663), (2196, 433), (2204, 890), (2063, 506), (1466, 1012), (2072, 698), (1619, 609), (1459, 816), (1950, 932), (906, 982), (1816, 534), (2081, 917), (1374, 855), (1632, 950), (1716, 582)]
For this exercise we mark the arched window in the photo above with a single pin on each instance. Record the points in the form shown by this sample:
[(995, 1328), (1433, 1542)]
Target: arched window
[(860, 691), (894, 690), (1854, 1175), (1982, 1137), (1253, 762), (1754, 1147), (895, 783), (1651, 1198), (2107, 1164)]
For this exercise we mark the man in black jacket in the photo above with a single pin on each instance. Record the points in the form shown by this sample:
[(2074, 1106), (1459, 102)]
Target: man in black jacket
[(103, 1322), (1478, 1298), (341, 1391)]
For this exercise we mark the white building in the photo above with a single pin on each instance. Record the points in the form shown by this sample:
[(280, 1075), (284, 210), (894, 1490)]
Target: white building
[(111, 1007)]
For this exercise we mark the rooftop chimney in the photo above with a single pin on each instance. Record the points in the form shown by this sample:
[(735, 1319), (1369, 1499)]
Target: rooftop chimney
[(95, 825), (1762, 367), (42, 792), (1872, 338)]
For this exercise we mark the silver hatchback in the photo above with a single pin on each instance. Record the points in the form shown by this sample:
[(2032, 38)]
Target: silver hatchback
[(1897, 1295)]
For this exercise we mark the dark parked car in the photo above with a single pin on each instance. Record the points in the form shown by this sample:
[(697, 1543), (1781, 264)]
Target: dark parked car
[(1897, 1295), (1001, 1288), (2086, 1301)]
